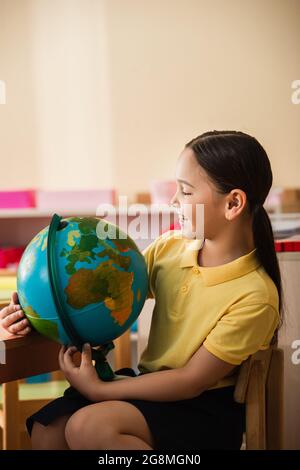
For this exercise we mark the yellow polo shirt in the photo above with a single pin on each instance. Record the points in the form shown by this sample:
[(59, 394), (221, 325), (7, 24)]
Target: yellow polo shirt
[(231, 309)]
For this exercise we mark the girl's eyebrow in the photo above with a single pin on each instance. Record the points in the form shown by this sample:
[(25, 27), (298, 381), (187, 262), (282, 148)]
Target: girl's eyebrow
[(185, 182)]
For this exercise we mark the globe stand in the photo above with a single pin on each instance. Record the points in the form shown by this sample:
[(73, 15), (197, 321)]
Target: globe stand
[(102, 367)]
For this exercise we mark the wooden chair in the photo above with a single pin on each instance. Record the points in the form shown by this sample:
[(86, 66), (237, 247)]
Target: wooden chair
[(25, 357), (260, 386)]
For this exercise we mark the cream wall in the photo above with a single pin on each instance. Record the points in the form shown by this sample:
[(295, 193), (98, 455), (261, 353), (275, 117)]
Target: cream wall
[(55, 130), (18, 156), (106, 92)]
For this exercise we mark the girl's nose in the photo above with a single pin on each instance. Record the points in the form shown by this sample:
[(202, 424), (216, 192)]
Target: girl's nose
[(174, 201)]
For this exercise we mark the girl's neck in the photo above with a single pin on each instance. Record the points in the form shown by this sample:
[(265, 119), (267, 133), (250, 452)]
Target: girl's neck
[(215, 252)]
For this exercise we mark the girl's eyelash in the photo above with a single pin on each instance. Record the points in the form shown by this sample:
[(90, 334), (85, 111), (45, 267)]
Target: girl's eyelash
[(185, 194)]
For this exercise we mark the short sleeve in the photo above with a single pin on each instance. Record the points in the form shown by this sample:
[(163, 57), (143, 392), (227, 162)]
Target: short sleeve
[(148, 254), (151, 254), (242, 331)]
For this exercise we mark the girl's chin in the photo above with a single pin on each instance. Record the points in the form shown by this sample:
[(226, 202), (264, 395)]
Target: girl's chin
[(189, 235), (187, 230)]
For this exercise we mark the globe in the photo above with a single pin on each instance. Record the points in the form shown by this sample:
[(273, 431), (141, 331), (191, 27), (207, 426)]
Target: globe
[(82, 279)]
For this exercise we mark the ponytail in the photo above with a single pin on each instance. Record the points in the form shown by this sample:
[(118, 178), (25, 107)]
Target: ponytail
[(265, 246)]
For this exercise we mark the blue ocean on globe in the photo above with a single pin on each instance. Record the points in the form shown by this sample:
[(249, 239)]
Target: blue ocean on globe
[(103, 283)]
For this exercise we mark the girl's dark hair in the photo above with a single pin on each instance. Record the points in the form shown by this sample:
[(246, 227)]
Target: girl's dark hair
[(232, 160)]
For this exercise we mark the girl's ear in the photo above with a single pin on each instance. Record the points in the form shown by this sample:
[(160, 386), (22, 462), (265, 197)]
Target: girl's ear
[(235, 203)]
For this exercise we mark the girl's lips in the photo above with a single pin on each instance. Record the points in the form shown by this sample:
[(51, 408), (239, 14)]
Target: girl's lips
[(182, 220)]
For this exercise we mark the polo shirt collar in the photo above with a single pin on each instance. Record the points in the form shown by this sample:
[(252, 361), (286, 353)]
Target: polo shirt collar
[(217, 274)]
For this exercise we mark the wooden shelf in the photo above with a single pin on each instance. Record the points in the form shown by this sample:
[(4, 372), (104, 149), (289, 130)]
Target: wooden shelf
[(285, 216), (36, 213), (144, 209), (19, 226), (7, 272)]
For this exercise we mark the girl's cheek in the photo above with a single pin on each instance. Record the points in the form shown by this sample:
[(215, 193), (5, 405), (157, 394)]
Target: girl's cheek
[(187, 229), (197, 221)]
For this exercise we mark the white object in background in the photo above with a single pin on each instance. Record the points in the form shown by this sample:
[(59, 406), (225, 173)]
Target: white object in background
[(2, 92), (286, 228)]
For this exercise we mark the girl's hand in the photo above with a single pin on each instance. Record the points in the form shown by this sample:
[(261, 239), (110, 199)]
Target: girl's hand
[(84, 378), (13, 319)]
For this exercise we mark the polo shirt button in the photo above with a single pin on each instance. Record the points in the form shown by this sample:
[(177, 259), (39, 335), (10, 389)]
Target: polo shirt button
[(195, 270), (184, 288)]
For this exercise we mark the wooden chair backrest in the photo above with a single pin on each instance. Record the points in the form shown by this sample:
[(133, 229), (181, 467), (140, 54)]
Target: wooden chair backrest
[(260, 386)]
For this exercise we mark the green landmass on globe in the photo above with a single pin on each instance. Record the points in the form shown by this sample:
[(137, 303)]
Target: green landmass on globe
[(96, 276)]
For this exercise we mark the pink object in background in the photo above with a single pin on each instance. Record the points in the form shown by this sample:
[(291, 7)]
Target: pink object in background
[(74, 200), (162, 191), (10, 256), (175, 226), (17, 199), (273, 201)]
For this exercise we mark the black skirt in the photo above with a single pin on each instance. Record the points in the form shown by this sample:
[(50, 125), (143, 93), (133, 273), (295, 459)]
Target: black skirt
[(212, 420)]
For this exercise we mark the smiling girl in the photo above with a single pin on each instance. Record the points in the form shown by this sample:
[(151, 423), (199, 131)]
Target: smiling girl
[(217, 301)]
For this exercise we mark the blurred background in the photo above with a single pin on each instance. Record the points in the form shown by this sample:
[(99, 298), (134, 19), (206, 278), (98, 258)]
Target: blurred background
[(105, 93)]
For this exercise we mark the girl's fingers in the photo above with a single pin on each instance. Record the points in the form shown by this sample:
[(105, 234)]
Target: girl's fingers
[(25, 331), (9, 310), (14, 298), (15, 317), (61, 357), (86, 357), (68, 357), (16, 327)]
